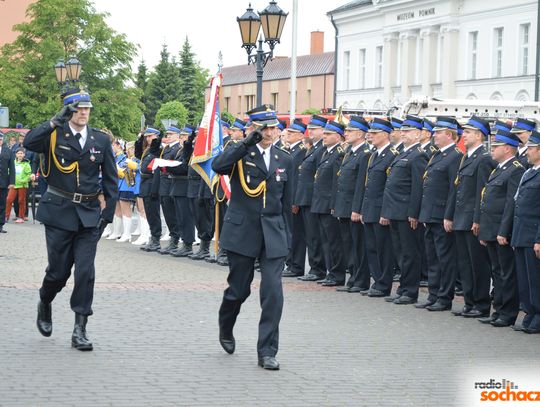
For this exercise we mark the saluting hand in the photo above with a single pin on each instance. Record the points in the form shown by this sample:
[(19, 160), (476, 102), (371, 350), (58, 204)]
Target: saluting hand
[(64, 115), (253, 138)]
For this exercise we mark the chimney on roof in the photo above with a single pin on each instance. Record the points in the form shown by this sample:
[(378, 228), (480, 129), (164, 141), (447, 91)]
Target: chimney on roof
[(317, 42)]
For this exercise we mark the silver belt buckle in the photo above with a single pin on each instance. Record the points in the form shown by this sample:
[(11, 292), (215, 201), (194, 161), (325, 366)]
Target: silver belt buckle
[(77, 198)]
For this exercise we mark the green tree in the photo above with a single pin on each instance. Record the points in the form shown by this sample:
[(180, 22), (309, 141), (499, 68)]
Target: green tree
[(193, 81), (141, 80), (162, 85), (174, 110), (60, 29), (229, 117), (311, 110)]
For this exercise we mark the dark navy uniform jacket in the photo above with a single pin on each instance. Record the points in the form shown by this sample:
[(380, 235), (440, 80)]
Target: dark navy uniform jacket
[(169, 152), (325, 181), (439, 186), (374, 184), (94, 158), (7, 168), (179, 174), (522, 158), (497, 201), (298, 152), (430, 149), (403, 190), (526, 230), (353, 168), (149, 179), (194, 183), (471, 178), (250, 223), (306, 175)]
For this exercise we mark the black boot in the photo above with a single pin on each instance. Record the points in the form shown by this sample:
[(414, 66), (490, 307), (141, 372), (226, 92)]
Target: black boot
[(184, 251), (222, 258), (44, 318), (204, 251), (173, 245), (152, 246), (78, 339)]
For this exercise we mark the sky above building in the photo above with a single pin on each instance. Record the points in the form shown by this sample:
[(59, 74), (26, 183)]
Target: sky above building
[(210, 26)]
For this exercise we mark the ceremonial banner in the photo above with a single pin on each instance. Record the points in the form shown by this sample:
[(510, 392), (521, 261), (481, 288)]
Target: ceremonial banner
[(209, 141)]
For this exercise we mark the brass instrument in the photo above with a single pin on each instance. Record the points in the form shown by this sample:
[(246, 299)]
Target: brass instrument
[(129, 172)]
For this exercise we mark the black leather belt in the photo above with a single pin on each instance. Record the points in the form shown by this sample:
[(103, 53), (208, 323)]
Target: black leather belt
[(146, 175), (74, 197), (178, 176)]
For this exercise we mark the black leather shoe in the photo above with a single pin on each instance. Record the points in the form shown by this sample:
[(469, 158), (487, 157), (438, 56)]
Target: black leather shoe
[(332, 283), (405, 300), (290, 274), (488, 320), (223, 260), (439, 307), (324, 280), (365, 292), (152, 246), (392, 297), (424, 304), (227, 343), (173, 245), (204, 251), (310, 277), (375, 293), (184, 251), (531, 330), (2, 229), (343, 289), (355, 289), (518, 328), (79, 340), (269, 363), (461, 311), (474, 313), (44, 318), (500, 323)]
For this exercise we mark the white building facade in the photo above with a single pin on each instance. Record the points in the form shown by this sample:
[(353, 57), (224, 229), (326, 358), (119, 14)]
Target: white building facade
[(391, 50)]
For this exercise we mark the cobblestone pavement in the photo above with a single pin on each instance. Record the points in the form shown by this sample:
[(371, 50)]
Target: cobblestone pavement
[(155, 341)]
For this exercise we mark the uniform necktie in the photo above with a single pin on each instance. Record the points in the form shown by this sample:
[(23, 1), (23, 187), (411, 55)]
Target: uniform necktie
[(78, 136), (266, 161)]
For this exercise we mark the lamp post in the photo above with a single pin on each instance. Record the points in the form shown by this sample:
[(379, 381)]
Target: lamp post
[(67, 73), (272, 19)]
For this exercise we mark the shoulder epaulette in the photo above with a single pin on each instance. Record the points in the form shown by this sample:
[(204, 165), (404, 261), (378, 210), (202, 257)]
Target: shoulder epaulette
[(285, 151), (302, 146), (367, 150), (432, 148), (394, 151), (458, 150), (420, 149), (517, 164), (229, 142), (340, 150)]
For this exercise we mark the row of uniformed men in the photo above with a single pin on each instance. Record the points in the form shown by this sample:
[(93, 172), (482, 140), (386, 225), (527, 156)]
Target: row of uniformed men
[(402, 192)]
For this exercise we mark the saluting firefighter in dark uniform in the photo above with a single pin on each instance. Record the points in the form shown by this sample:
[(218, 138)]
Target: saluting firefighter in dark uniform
[(437, 193), (401, 206), (349, 195), (257, 225), (379, 251), (73, 156), (526, 238), (523, 128), (496, 219)]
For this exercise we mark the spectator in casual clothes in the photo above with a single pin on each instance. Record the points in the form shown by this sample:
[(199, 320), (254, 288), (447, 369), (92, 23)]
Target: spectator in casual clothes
[(23, 175), (7, 177)]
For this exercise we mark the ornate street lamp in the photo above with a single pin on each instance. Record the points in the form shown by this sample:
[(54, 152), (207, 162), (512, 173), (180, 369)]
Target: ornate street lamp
[(60, 71), (73, 67), (68, 73), (272, 19)]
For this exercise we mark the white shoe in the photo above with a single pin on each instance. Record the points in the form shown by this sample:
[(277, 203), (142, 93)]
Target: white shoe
[(145, 233), (116, 228), (107, 231), (126, 235)]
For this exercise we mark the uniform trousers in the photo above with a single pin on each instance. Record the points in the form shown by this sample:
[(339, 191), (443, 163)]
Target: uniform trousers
[(360, 277), (296, 260), (202, 211), (346, 239), (331, 233), (441, 258), (151, 208), (424, 266), (474, 270), (169, 213), (184, 220), (241, 269), (317, 265), (528, 277), (505, 288), (407, 245), (379, 255), (66, 249)]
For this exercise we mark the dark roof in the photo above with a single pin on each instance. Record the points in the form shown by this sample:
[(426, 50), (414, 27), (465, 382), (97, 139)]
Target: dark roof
[(350, 5), (280, 68)]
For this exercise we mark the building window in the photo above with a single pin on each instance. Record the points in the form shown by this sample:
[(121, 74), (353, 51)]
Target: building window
[(250, 102), (379, 66), (497, 51), (362, 68), (274, 97), (524, 30), (473, 48), (346, 69), (227, 101)]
